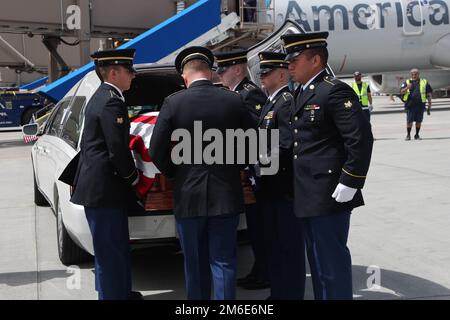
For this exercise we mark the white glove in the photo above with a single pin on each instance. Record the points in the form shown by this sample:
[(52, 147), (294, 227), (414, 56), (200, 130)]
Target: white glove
[(370, 107), (343, 193)]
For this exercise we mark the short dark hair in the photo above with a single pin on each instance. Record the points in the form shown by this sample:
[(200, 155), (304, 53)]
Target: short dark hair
[(196, 65), (322, 52), (103, 71)]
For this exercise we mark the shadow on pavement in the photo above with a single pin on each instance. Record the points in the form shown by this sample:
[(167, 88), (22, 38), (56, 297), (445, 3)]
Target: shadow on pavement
[(161, 271), (13, 144), (16, 279)]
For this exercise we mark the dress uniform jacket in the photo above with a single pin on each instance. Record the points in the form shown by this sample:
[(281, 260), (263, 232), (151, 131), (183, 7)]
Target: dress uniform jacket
[(276, 114), (106, 167), (332, 144), (254, 98), (200, 189)]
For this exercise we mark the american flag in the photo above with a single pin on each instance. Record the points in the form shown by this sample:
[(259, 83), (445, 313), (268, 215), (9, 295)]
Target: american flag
[(29, 138), (140, 134)]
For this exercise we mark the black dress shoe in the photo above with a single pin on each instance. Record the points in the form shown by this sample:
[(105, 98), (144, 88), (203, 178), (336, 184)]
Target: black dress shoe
[(256, 285), (135, 295)]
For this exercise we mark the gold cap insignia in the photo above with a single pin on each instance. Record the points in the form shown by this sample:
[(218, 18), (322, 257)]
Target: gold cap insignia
[(348, 104)]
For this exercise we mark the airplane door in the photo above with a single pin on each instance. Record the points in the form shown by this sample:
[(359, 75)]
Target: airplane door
[(413, 16), (271, 43)]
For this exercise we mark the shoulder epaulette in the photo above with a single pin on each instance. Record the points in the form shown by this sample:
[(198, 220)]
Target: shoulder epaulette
[(330, 80), (249, 86)]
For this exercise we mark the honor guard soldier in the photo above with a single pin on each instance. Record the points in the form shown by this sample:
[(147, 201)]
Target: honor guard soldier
[(208, 198), (416, 92), (362, 90), (232, 70), (106, 173), (286, 250), (332, 150)]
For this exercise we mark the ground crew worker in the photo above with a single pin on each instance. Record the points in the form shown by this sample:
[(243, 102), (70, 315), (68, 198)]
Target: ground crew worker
[(106, 173), (285, 243), (416, 92), (332, 150), (362, 90), (208, 198), (232, 70)]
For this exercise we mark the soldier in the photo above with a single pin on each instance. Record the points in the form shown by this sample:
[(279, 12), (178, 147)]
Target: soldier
[(208, 198), (106, 173), (286, 250), (232, 70), (332, 150)]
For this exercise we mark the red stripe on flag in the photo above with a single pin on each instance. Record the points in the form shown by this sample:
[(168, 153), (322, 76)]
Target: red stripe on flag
[(144, 185), (137, 144)]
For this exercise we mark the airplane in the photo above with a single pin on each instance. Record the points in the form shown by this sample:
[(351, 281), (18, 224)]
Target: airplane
[(381, 39)]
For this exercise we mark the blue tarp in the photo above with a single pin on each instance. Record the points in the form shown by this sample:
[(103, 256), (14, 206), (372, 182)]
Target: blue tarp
[(153, 44), (35, 84)]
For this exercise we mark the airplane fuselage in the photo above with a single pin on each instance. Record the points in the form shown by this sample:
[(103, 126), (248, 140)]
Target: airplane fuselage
[(376, 36)]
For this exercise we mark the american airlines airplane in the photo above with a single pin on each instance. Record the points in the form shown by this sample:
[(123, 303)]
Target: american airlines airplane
[(383, 39)]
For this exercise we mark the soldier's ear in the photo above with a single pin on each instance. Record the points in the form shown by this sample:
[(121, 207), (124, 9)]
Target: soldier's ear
[(184, 79)]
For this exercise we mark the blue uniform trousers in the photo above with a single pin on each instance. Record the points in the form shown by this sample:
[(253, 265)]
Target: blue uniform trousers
[(367, 113), (109, 229), (286, 250), (255, 229), (328, 255), (209, 248)]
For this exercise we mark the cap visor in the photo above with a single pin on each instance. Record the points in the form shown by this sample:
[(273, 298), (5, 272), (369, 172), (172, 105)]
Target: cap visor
[(291, 56), (221, 70), (265, 71)]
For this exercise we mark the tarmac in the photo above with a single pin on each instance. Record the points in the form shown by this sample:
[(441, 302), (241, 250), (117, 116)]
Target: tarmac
[(400, 241)]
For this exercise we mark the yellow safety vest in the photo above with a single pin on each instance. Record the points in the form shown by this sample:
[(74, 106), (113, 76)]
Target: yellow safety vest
[(363, 95), (423, 90)]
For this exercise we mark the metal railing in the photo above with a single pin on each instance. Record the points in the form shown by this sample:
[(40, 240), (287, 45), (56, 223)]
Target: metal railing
[(257, 13)]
